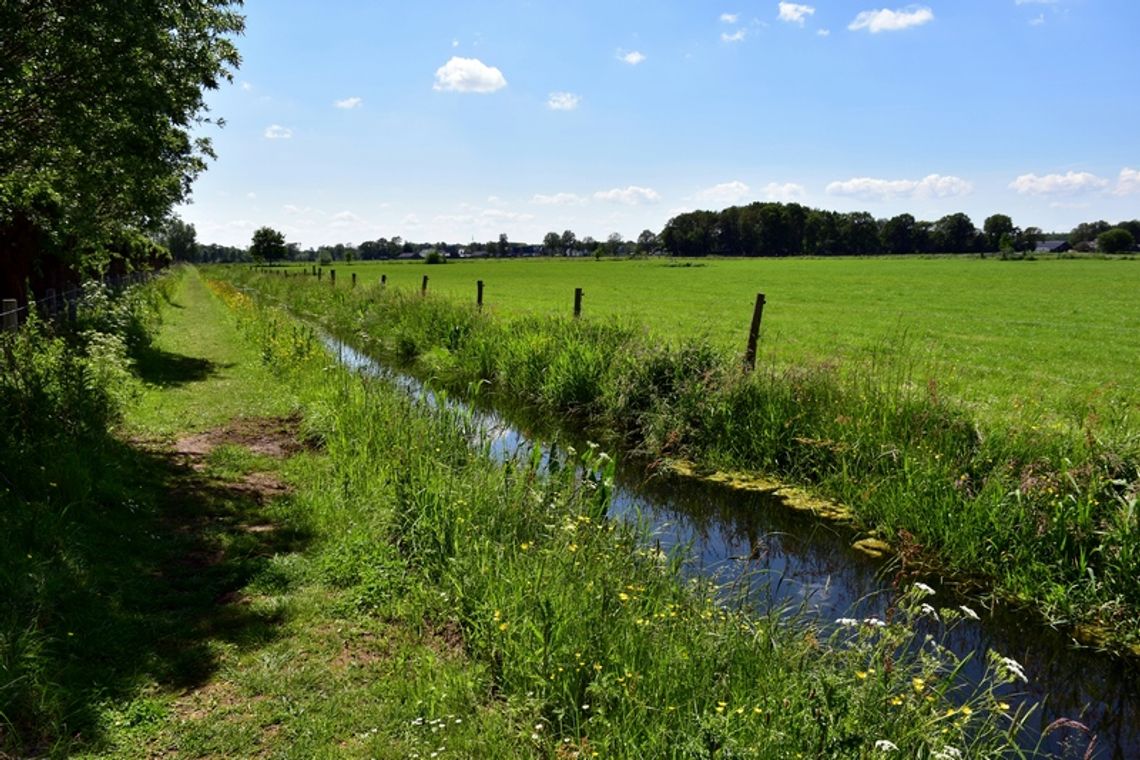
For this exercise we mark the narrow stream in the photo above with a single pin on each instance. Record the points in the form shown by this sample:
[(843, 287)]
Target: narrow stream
[(793, 559)]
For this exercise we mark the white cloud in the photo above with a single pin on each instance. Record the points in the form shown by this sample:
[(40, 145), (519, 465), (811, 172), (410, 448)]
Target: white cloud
[(633, 57), (455, 43), (247, 87), (783, 192), (736, 36), (1058, 184), (886, 20), (794, 13), (499, 215), (630, 196), (1128, 183), (725, 192), (278, 132), (468, 75), (563, 101), (345, 219), (558, 199), (931, 186), (349, 103), (729, 18), (251, 195), (1037, 21), (823, 32)]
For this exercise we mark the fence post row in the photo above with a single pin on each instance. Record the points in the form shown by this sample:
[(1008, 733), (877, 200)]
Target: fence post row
[(754, 333)]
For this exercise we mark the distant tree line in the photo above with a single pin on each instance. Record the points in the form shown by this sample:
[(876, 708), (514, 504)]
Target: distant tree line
[(758, 229), (789, 229)]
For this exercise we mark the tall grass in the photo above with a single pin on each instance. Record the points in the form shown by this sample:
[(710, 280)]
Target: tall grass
[(1034, 512), (592, 642), (62, 486)]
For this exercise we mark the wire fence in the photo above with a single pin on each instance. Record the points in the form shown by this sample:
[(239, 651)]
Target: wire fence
[(54, 305)]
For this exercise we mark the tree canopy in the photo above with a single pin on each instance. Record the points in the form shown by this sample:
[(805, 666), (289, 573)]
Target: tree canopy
[(268, 245), (99, 102)]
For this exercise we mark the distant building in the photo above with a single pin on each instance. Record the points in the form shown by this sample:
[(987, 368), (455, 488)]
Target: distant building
[(1053, 246), (409, 256)]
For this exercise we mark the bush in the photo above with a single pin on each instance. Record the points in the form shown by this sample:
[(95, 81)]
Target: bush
[(1116, 240)]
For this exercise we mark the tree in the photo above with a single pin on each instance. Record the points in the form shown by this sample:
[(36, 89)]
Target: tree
[(614, 244), (180, 238), (569, 241), (552, 243), (897, 234), (1086, 232), (101, 105), (995, 228), (1116, 240), (647, 242), (504, 246), (268, 245)]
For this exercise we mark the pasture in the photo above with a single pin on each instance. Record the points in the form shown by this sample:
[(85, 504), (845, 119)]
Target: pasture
[(1027, 340)]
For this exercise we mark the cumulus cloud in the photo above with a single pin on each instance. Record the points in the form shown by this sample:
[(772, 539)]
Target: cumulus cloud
[(725, 192), (931, 186), (558, 199), (736, 36), (500, 215), (794, 13), (1058, 184), (348, 103), (783, 192), (633, 57), (278, 132), (823, 32), (563, 101), (886, 20), (468, 75), (630, 196), (729, 18), (247, 87), (1128, 183), (345, 219)]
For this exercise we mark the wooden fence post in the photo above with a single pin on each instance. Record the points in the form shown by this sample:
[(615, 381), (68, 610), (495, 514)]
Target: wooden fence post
[(577, 302), (354, 279), (320, 273), (383, 280), (479, 293), (11, 319), (423, 286), (332, 277), (754, 334)]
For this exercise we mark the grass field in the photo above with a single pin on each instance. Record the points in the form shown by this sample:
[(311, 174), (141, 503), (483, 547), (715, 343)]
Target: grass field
[(1013, 336)]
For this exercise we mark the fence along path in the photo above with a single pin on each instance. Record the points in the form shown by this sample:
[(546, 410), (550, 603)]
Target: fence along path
[(53, 304)]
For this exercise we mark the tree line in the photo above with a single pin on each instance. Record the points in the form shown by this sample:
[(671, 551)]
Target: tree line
[(789, 229), (102, 106)]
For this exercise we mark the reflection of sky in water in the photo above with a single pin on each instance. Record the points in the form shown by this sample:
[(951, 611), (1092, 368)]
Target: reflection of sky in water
[(797, 562)]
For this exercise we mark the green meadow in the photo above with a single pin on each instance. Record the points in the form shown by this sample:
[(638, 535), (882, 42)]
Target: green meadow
[(1016, 337)]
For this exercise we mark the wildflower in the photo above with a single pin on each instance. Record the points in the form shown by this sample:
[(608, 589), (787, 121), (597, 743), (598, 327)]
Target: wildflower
[(524, 545), (948, 753), (503, 626), (896, 701), (573, 547), (1014, 669), (860, 674), (918, 683), (847, 622), (967, 710), (598, 666), (1003, 706), (874, 622), (757, 710), (926, 609), (623, 596), (926, 590), (885, 745), (968, 612)]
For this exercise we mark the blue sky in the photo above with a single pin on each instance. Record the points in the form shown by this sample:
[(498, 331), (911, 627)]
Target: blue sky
[(458, 121)]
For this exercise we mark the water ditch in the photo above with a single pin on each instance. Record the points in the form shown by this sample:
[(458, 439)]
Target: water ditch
[(793, 559)]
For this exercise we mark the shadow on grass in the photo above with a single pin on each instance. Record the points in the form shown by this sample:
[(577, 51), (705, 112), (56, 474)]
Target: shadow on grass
[(120, 566), (165, 368)]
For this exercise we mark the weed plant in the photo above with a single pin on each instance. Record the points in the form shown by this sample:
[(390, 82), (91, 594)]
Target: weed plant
[(591, 643), (1034, 511)]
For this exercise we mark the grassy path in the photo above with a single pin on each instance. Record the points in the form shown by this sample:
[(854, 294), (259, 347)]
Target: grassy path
[(261, 659)]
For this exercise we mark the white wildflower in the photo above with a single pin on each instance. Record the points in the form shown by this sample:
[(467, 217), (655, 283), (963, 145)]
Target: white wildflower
[(948, 753), (926, 609), (926, 590), (885, 745), (874, 622), (1014, 668), (847, 622), (968, 612)]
